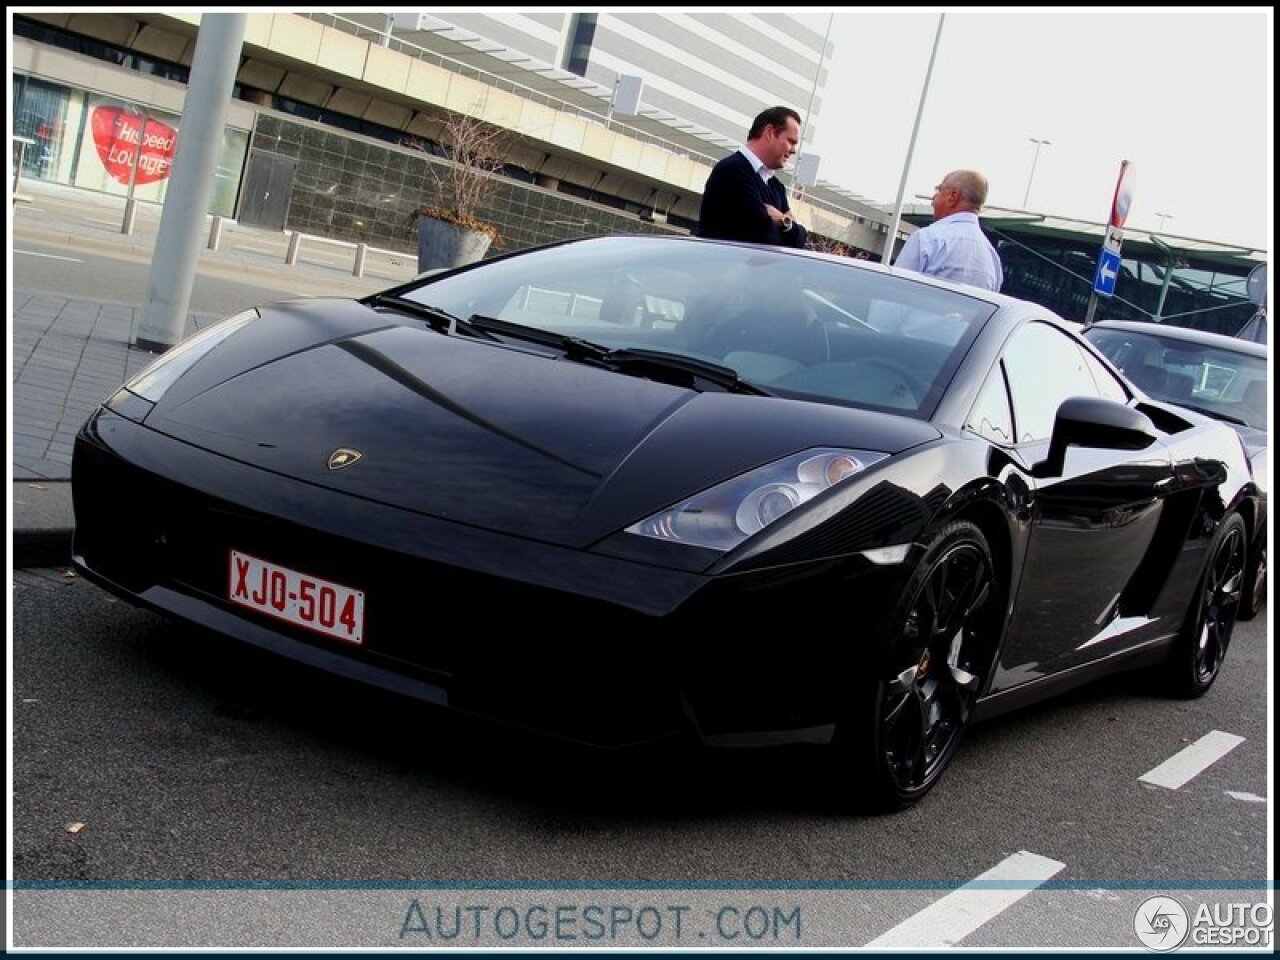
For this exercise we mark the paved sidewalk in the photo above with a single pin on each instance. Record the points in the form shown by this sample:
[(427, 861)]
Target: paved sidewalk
[(69, 354)]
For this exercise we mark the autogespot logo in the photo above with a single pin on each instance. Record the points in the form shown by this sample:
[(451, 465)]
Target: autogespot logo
[(1161, 923)]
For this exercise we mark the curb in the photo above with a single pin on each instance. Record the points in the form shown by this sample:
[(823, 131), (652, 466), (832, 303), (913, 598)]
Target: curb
[(43, 523)]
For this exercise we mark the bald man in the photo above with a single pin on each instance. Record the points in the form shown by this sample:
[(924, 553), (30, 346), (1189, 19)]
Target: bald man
[(954, 247)]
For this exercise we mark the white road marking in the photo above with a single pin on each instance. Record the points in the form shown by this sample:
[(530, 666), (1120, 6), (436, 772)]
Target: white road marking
[(250, 247), (48, 256), (1246, 797), (959, 913), (1192, 760)]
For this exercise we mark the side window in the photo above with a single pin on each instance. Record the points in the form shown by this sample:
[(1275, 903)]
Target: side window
[(1044, 367), (990, 417), (1108, 386)]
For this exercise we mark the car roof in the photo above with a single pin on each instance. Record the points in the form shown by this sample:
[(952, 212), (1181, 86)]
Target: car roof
[(1202, 338)]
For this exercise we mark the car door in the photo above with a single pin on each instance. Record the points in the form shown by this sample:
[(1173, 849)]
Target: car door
[(1088, 529)]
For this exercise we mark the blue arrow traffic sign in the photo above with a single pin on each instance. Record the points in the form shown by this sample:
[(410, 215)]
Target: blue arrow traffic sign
[(1104, 281)]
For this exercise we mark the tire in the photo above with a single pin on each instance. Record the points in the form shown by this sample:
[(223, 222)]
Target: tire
[(908, 717), (1255, 579), (1201, 645)]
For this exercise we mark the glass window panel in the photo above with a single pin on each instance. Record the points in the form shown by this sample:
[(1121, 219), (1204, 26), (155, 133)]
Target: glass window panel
[(1044, 367)]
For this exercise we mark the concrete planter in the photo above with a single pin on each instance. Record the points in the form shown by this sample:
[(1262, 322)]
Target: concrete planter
[(444, 244)]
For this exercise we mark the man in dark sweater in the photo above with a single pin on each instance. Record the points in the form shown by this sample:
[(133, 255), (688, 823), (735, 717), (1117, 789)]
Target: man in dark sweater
[(743, 200)]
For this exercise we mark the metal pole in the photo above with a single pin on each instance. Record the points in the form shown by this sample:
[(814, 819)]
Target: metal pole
[(17, 170), (1170, 260), (173, 265), (813, 91), (906, 166), (130, 205), (1164, 291), (1031, 176)]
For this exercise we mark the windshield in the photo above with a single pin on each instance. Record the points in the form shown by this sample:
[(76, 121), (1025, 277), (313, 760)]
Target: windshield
[(824, 329), (1215, 380)]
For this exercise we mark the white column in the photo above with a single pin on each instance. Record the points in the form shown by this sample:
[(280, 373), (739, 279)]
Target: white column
[(173, 264)]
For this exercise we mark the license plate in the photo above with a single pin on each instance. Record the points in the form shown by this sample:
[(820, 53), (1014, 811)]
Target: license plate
[(299, 598)]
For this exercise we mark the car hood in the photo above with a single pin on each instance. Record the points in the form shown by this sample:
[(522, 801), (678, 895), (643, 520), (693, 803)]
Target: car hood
[(492, 435)]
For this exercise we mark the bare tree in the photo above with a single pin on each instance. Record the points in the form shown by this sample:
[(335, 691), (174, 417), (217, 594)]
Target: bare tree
[(462, 183)]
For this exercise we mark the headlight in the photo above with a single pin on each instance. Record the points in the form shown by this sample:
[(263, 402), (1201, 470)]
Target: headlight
[(152, 382), (725, 515)]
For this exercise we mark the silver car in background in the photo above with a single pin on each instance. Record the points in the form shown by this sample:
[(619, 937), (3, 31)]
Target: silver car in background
[(1213, 374)]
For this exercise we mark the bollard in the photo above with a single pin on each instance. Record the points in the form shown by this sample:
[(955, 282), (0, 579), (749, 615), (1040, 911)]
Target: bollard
[(17, 167), (362, 250), (130, 213), (295, 243), (215, 233)]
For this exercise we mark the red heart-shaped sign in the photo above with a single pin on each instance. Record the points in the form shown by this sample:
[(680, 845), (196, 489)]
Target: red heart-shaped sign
[(117, 132)]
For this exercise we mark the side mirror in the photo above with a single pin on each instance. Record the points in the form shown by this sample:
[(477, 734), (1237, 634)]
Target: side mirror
[(1094, 422)]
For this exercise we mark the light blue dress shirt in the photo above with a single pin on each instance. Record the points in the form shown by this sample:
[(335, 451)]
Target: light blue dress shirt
[(954, 248)]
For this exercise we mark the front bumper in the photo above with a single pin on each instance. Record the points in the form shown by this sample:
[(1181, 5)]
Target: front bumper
[(594, 648)]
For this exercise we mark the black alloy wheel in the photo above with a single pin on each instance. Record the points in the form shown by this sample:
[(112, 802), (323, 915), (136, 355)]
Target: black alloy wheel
[(1198, 652), (940, 644)]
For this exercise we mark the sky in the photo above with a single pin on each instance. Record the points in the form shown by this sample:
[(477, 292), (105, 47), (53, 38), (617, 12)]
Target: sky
[(1184, 95)]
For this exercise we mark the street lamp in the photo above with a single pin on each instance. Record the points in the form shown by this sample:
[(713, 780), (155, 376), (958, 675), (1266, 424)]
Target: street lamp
[(1031, 176), (1163, 217)]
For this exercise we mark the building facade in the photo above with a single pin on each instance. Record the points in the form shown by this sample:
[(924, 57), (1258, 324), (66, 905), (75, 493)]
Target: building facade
[(72, 68), (703, 73)]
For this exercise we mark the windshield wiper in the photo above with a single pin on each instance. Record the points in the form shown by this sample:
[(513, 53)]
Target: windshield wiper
[(439, 320), (575, 348), (671, 368), (658, 365)]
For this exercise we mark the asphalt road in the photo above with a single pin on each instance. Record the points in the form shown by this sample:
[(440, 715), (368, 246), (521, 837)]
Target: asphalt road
[(164, 774)]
